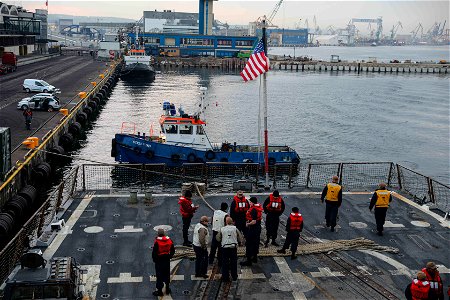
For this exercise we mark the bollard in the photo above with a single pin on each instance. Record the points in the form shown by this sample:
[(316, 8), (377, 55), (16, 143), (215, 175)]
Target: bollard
[(82, 95), (148, 196), (133, 197), (64, 111)]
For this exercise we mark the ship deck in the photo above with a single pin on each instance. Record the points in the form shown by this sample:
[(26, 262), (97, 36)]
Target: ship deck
[(112, 240)]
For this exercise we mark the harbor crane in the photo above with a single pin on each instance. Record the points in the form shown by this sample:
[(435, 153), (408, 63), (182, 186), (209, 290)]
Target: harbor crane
[(416, 31), (274, 11), (394, 29)]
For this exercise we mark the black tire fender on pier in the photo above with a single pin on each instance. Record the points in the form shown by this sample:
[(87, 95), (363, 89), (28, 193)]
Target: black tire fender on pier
[(210, 155), (97, 100), (149, 154), (93, 105), (56, 159), (6, 223), (16, 207), (191, 158), (272, 161), (82, 118), (75, 129), (88, 111), (66, 141), (29, 193), (175, 157), (42, 172)]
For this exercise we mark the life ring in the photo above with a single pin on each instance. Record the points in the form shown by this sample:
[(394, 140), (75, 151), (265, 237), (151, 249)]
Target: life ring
[(272, 161), (191, 158), (210, 155), (175, 157), (137, 150), (150, 154)]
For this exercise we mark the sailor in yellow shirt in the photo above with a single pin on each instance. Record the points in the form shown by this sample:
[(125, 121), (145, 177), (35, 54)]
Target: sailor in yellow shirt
[(380, 199), (332, 194)]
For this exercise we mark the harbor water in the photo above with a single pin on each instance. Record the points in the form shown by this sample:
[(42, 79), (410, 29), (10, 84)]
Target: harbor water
[(326, 117)]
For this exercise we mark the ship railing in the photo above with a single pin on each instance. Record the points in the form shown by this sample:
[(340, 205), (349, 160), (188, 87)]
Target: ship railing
[(30, 233), (354, 176)]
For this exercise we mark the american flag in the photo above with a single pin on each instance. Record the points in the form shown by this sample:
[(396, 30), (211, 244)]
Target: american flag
[(257, 64)]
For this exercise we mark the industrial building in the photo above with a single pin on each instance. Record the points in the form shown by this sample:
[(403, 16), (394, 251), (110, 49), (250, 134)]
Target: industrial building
[(20, 30)]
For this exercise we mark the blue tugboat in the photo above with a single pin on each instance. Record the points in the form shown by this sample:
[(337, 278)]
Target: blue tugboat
[(183, 139)]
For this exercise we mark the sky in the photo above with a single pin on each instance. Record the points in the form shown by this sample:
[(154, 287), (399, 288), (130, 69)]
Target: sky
[(292, 13)]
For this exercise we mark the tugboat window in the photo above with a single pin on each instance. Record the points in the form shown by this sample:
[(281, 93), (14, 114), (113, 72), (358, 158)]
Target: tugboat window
[(185, 129), (171, 128), (200, 130)]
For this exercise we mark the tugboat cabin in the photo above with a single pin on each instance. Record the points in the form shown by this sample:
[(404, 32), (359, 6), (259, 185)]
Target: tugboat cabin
[(183, 130)]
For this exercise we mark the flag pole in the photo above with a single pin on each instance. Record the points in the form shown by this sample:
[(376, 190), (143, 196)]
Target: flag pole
[(264, 96)]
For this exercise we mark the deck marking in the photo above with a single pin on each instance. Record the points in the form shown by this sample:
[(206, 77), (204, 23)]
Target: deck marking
[(420, 223), (93, 229), (128, 229), (443, 222), (443, 269), (401, 269), (419, 241), (246, 273), (125, 278), (173, 277), (326, 272), (364, 270), (389, 224), (296, 282), (56, 243), (358, 225), (91, 279)]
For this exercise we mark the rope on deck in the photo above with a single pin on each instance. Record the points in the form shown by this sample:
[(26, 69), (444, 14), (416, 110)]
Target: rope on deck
[(303, 249)]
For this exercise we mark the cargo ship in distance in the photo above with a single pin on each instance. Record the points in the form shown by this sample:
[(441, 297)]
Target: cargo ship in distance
[(183, 139)]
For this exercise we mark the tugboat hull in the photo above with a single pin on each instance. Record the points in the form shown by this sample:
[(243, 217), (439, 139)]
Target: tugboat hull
[(128, 148)]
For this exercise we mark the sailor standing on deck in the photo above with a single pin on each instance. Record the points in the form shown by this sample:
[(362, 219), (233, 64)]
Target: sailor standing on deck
[(435, 280), (163, 251), (187, 210), (419, 288), (238, 210), (380, 199), (273, 207), (332, 193), (229, 237), (253, 217), (200, 243), (294, 226), (218, 222)]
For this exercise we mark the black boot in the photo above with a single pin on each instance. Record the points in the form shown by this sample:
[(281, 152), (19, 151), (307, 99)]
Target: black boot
[(158, 293)]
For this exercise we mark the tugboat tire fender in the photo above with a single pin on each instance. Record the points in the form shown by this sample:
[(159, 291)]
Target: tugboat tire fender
[(210, 155), (175, 157), (150, 154), (191, 158), (272, 161)]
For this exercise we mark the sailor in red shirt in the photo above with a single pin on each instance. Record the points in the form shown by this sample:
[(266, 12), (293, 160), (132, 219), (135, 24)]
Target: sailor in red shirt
[(273, 207), (163, 251), (434, 278), (187, 210), (419, 288), (294, 226), (238, 209), (253, 217)]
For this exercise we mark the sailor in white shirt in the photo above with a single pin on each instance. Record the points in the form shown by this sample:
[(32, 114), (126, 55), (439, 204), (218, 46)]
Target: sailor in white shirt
[(217, 223), (230, 237)]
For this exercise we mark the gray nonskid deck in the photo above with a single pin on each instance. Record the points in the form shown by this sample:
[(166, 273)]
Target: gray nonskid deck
[(113, 238)]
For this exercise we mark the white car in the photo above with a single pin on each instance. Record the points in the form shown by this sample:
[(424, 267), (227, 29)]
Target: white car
[(42, 101), (37, 85)]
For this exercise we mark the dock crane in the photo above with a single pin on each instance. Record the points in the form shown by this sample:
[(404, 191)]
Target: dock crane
[(416, 31), (394, 30), (274, 11)]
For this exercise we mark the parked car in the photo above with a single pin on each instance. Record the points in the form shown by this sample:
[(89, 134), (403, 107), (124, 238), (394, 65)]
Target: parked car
[(37, 85), (42, 101)]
